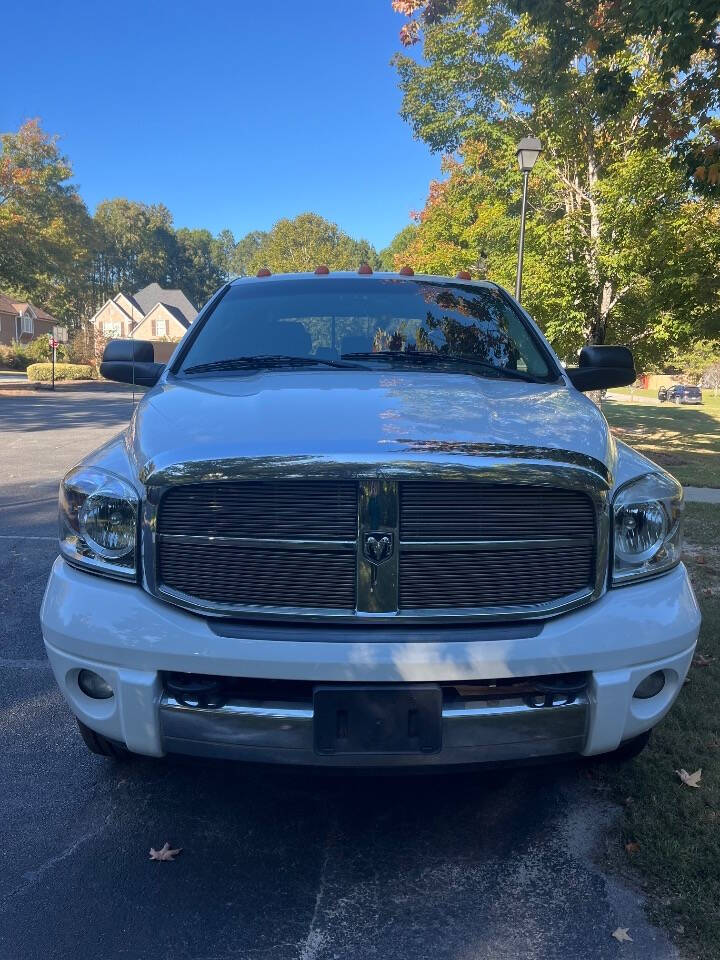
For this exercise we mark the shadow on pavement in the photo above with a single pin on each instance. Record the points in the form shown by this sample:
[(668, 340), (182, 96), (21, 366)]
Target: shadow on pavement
[(102, 406)]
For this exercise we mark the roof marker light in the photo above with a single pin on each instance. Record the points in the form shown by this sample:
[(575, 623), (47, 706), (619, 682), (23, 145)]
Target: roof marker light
[(463, 275), (263, 272), (365, 268), (407, 272), (322, 270)]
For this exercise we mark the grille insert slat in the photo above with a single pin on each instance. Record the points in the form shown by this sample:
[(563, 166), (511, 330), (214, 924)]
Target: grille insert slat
[(458, 510), (455, 512), (248, 572), (286, 509), (239, 576)]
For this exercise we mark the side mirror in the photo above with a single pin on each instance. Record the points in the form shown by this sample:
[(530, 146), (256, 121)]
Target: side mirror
[(602, 367), (131, 361)]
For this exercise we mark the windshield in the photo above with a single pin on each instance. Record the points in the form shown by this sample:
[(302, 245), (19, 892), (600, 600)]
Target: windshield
[(366, 322)]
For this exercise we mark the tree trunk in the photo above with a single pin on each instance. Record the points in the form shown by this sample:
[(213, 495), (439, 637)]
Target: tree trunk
[(596, 326)]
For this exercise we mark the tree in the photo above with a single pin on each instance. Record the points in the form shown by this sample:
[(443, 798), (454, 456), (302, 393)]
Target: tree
[(711, 377), (301, 244), (46, 234), (699, 358), (137, 246), (244, 253), (224, 251), (609, 202), (391, 256), (199, 266)]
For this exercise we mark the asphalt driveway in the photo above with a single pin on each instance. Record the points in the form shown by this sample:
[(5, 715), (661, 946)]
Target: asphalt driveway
[(275, 864)]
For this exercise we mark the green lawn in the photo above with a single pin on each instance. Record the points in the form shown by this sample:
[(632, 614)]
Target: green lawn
[(684, 440), (678, 827)]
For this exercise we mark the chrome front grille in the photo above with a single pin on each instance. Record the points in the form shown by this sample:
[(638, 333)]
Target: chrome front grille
[(465, 545), (458, 547)]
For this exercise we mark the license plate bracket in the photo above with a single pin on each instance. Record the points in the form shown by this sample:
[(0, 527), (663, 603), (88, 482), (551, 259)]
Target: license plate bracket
[(388, 719)]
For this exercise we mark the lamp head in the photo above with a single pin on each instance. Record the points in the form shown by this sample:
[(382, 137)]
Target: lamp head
[(528, 150)]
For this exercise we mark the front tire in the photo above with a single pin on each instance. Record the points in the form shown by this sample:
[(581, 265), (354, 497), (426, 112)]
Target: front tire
[(629, 749), (96, 743)]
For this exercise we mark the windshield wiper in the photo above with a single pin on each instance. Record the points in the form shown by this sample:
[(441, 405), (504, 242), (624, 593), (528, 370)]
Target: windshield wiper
[(274, 360), (424, 358)]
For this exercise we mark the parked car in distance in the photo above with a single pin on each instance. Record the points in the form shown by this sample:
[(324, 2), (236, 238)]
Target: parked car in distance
[(680, 393), (368, 520)]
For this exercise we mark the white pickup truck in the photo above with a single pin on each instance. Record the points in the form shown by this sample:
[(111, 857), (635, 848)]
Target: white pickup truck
[(368, 520)]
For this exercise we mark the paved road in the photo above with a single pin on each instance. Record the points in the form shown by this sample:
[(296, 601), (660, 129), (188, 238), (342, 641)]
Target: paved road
[(275, 865)]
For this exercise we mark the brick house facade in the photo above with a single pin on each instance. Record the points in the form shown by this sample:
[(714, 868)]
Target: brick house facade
[(23, 321)]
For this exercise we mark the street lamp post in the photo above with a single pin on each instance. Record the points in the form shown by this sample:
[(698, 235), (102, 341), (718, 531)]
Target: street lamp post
[(528, 150)]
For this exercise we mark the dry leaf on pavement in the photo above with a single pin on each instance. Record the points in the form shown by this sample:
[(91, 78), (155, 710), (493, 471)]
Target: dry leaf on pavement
[(632, 847), (690, 779), (621, 935), (165, 853)]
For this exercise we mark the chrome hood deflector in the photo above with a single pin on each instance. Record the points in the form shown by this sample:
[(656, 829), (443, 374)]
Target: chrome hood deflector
[(337, 423)]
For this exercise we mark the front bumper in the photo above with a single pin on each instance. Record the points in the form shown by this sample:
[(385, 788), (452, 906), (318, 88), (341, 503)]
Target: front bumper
[(130, 638)]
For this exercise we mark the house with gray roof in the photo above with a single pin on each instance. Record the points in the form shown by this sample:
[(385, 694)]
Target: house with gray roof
[(153, 313)]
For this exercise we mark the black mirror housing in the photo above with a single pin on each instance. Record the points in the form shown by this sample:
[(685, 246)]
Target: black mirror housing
[(600, 368), (131, 361)]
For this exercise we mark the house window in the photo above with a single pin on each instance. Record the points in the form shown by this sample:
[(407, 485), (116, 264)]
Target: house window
[(27, 324), (160, 328), (112, 328)]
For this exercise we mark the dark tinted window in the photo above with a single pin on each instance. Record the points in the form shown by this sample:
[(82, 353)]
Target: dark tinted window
[(333, 318)]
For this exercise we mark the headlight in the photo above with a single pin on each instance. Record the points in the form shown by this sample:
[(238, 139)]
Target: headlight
[(647, 527), (99, 522)]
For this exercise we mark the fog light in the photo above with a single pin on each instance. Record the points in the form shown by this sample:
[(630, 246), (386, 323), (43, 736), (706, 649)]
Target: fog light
[(650, 686), (94, 686)]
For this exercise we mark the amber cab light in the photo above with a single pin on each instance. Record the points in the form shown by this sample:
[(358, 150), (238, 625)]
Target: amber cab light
[(407, 272), (322, 269), (263, 272), (364, 268), (463, 275)]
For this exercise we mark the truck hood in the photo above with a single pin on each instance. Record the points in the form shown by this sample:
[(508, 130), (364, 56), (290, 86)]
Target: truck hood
[(370, 420)]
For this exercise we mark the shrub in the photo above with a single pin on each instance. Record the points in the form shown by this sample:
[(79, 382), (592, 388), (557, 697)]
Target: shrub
[(81, 346), (14, 357), (63, 371), (38, 351)]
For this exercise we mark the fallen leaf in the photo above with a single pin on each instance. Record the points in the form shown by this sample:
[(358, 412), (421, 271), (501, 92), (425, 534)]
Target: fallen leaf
[(632, 847), (165, 853), (621, 935), (701, 660), (690, 779)]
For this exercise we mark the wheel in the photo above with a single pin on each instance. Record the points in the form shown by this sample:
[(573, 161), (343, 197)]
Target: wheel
[(96, 743), (629, 749)]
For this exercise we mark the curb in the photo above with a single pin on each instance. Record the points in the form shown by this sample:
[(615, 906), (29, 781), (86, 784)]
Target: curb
[(26, 385)]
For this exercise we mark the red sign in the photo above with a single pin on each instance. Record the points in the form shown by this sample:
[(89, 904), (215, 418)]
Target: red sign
[(54, 343)]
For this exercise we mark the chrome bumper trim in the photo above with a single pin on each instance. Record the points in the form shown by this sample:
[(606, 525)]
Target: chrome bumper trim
[(473, 732)]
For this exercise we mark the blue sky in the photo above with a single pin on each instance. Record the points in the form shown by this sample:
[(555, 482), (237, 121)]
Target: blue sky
[(231, 113)]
